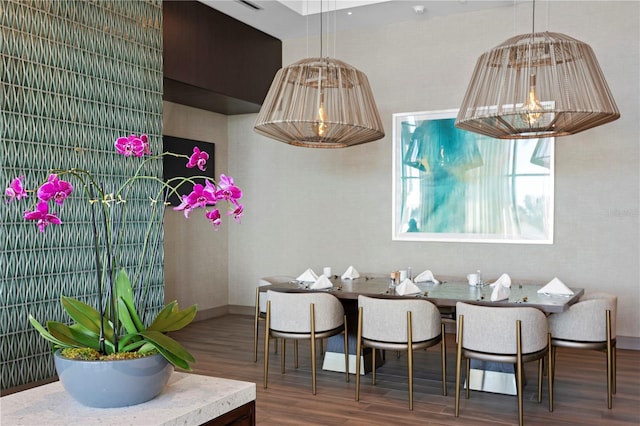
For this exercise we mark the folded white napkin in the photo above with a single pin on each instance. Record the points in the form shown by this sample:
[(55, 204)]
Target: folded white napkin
[(426, 276), (555, 286), (407, 287), (500, 292), (350, 274), (504, 280), (308, 276), (322, 282)]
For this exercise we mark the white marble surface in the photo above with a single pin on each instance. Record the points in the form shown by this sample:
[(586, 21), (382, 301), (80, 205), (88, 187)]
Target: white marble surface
[(188, 399)]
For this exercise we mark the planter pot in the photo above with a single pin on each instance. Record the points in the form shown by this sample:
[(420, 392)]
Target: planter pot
[(110, 384)]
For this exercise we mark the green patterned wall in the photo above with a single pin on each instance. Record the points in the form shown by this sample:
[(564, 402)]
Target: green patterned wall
[(75, 75)]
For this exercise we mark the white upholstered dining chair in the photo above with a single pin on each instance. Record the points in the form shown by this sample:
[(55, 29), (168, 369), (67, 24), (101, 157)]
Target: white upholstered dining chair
[(398, 325), (308, 316), (261, 306), (503, 334), (589, 324)]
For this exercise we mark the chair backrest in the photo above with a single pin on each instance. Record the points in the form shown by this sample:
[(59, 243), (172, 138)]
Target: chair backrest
[(492, 329), (385, 320), (586, 320), (262, 296), (290, 312)]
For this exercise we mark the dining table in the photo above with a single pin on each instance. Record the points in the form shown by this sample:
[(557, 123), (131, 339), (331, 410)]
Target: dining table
[(445, 293)]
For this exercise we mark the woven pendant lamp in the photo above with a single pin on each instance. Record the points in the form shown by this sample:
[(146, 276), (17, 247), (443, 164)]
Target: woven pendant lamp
[(320, 103), (536, 85)]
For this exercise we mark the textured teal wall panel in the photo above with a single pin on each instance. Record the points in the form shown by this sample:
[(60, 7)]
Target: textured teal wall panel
[(75, 76)]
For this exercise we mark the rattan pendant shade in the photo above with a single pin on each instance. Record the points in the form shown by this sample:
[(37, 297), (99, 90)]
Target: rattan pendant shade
[(536, 85), (320, 103)]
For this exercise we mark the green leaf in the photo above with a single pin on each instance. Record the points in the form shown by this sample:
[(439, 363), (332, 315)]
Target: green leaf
[(44, 333), (73, 337), (82, 314), (125, 317), (172, 319), (173, 351), (124, 292)]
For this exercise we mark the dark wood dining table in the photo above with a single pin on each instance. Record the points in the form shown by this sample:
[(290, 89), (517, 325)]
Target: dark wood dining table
[(444, 295)]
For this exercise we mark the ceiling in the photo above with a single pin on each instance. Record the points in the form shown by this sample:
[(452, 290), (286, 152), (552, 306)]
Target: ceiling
[(296, 18)]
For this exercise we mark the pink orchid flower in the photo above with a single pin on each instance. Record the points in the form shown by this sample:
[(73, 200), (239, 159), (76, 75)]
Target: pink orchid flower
[(228, 191), (55, 189), (132, 145), (198, 158), (201, 197), (184, 206), (42, 215), (214, 218), (237, 213), (15, 191)]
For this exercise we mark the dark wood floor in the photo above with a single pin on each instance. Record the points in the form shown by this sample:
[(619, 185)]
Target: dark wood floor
[(223, 347)]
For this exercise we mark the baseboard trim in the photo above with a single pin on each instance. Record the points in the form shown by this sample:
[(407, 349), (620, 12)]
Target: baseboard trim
[(628, 342)]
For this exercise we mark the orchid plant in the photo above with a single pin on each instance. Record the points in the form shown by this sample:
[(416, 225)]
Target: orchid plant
[(116, 326)]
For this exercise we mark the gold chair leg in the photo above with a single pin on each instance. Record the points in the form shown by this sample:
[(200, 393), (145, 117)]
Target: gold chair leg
[(295, 353), (468, 375), (358, 353), (373, 366), (540, 374), (443, 356), (550, 371), (410, 359), (609, 363), (283, 352), (458, 364), (346, 350), (267, 324), (313, 349), (519, 377)]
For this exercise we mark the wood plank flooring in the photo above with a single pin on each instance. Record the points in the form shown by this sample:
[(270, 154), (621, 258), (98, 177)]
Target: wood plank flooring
[(223, 347)]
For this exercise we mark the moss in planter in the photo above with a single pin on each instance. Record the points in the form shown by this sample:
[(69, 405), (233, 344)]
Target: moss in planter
[(88, 354)]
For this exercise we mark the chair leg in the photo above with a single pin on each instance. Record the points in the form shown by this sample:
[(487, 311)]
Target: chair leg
[(313, 349), (610, 370), (550, 371), (410, 359), (443, 356), (346, 349), (295, 354), (283, 353), (373, 366), (358, 353), (458, 364), (519, 377), (468, 375), (540, 374), (266, 343)]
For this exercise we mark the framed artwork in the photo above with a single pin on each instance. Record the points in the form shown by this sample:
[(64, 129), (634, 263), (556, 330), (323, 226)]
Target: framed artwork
[(175, 166), (453, 185)]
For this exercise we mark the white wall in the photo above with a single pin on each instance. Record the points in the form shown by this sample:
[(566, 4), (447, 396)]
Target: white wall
[(312, 208)]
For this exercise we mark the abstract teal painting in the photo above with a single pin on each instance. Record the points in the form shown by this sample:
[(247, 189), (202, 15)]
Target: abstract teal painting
[(453, 185)]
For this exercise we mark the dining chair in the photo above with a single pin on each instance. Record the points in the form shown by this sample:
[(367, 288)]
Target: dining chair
[(507, 335), (589, 324), (398, 325), (308, 316), (261, 306)]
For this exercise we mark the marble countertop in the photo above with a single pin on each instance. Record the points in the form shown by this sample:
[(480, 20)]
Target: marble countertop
[(187, 399)]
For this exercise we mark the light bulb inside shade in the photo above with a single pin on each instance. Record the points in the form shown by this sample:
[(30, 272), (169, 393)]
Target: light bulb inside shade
[(532, 109), (320, 125)]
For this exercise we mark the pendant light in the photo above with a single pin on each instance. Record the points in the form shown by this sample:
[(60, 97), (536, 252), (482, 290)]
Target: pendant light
[(320, 103), (536, 85)]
